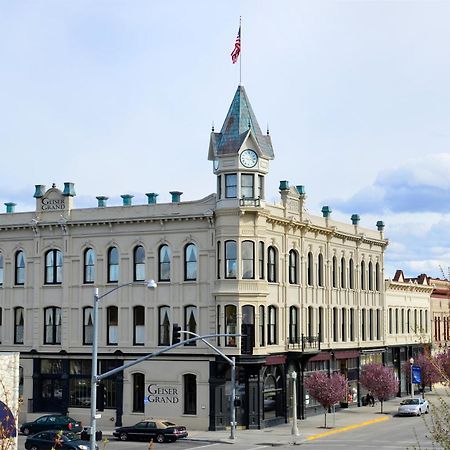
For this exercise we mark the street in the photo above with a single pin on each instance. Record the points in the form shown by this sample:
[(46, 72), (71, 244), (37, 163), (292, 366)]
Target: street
[(394, 434)]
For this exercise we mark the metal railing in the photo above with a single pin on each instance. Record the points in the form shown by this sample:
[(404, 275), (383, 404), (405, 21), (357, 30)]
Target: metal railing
[(244, 201), (305, 343)]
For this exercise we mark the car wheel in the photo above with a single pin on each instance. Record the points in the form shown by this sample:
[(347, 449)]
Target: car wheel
[(419, 413), (34, 447), (123, 436), (160, 438), (26, 431), (428, 410)]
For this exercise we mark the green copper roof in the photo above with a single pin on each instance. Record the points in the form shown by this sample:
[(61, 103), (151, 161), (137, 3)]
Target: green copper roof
[(239, 121)]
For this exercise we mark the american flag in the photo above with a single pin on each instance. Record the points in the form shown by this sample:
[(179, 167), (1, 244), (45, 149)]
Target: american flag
[(237, 47)]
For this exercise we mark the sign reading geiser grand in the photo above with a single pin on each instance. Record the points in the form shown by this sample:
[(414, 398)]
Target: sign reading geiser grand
[(162, 394), (52, 203)]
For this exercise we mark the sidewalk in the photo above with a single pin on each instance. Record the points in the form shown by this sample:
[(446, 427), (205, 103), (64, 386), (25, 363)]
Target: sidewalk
[(309, 429)]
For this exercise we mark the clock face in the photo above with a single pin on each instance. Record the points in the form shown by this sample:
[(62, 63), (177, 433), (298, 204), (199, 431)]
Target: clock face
[(249, 158)]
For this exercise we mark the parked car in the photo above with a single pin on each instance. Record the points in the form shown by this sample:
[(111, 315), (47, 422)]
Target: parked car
[(158, 430), (64, 440), (413, 407), (51, 422)]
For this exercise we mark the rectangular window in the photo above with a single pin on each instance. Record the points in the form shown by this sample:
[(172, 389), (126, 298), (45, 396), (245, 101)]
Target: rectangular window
[(247, 186), (219, 261), (231, 185), (1, 322), (262, 325), (335, 325), (261, 260), (260, 187), (321, 325), (139, 325), (230, 325), (363, 325), (219, 187), (352, 324), (1, 270)]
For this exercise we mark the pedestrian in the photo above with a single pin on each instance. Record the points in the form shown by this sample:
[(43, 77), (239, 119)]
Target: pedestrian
[(371, 399)]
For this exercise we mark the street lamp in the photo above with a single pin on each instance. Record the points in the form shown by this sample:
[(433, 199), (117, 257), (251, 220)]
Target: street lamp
[(294, 430), (411, 361), (151, 284)]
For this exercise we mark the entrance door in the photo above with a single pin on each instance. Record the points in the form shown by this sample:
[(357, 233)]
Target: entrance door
[(51, 394)]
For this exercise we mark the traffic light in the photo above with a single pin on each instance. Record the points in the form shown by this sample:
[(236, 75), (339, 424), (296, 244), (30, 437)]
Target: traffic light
[(101, 392), (176, 335)]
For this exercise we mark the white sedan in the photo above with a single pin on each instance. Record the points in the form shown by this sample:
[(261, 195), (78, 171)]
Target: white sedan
[(413, 407)]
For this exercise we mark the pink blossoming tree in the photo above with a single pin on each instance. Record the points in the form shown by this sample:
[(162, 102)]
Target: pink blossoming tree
[(443, 362), (380, 380), (429, 369), (327, 390)]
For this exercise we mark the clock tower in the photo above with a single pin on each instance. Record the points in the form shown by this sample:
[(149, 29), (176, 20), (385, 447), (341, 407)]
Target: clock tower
[(240, 155)]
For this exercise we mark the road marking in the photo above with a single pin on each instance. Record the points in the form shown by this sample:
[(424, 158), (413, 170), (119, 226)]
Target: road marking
[(204, 446), (350, 427), (258, 447)]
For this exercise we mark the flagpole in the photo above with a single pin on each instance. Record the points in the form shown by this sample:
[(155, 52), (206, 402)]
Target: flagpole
[(240, 59)]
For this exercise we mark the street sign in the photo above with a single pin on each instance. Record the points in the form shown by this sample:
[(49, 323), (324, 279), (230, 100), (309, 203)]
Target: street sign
[(416, 374)]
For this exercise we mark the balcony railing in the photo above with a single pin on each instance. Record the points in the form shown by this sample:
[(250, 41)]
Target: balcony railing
[(244, 201), (305, 343)]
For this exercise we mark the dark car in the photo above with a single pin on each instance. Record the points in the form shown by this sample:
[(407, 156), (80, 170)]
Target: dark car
[(64, 440), (51, 422), (158, 430)]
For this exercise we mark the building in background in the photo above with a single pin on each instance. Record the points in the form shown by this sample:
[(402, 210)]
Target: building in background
[(306, 292)]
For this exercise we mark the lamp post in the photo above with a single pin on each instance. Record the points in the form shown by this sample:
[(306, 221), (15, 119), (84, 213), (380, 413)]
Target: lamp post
[(411, 361), (294, 430), (94, 378)]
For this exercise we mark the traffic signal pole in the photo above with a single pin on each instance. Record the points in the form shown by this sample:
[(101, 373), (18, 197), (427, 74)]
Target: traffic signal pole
[(232, 361)]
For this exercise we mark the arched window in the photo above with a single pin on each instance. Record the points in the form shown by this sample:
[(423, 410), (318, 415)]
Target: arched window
[(247, 329), (53, 267), (138, 392), (89, 266), (248, 259), (310, 325), (378, 326), (371, 324), (334, 272), (272, 326), (370, 276), (377, 277), (112, 325), (363, 324), (343, 277), (321, 324), (138, 325), (113, 265), (293, 267), (396, 321), (230, 325), (352, 324), (320, 270), (351, 274), (19, 273), (335, 324), (190, 321), (310, 269), (402, 320), (271, 265), (261, 260), (409, 324), (164, 325), (262, 326), (189, 394), (164, 263), (293, 325), (18, 325), (363, 275), (88, 325), (230, 259), (139, 263), (390, 321), (344, 324), (52, 333), (190, 262), (1, 270)]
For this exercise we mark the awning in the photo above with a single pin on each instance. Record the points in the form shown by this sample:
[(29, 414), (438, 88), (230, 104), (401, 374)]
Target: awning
[(273, 360), (346, 354), (321, 357)]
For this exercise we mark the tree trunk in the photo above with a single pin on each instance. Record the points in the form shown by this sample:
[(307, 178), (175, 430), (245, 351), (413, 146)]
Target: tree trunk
[(325, 418), (381, 403)]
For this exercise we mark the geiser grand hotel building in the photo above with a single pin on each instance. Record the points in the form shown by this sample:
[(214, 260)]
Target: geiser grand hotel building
[(306, 290)]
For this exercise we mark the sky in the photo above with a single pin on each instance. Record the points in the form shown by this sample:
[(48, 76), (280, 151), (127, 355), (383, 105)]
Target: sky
[(119, 97)]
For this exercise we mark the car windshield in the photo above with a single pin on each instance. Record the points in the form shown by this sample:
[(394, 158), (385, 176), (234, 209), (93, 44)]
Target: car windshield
[(410, 401), (70, 436)]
